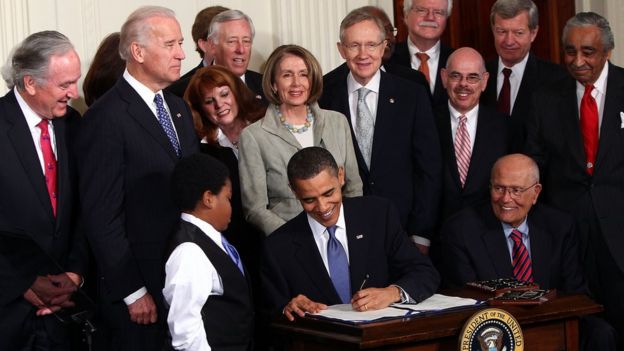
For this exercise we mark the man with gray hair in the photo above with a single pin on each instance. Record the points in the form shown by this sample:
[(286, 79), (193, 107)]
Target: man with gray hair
[(403, 164), (130, 140), (517, 72), (37, 186), (426, 21), (229, 41), (575, 135)]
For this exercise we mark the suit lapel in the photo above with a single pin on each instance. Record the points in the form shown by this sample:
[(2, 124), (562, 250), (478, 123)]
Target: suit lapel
[(611, 115), (540, 252), (271, 124), (358, 239), (310, 260), (145, 117), (525, 90), (496, 244), (62, 166), (22, 141), (446, 141), (480, 147), (570, 122)]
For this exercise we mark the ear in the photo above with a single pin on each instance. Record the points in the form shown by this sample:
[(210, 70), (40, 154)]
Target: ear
[(534, 33), (203, 46), (211, 47), (341, 176), (208, 199), (341, 50), (137, 52), (538, 190), (30, 85), (486, 76), (443, 77)]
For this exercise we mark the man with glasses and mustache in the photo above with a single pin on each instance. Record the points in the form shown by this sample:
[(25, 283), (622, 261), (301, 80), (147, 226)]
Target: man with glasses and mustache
[(472, 136), (426, 21), (514, 237), (576, 135), (395, 141)]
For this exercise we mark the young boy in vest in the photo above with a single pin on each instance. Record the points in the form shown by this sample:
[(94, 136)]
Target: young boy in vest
[(206, 286)]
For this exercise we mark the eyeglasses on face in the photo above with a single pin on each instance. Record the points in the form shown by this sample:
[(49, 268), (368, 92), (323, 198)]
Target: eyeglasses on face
[(368, 47), (424, 12), (472, 78), (514, 191)]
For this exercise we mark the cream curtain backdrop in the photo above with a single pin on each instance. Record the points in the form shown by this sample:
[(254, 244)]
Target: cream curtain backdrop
[(313, 24)]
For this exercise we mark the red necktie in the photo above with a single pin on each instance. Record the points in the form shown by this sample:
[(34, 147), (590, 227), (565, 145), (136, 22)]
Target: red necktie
[(521, 260), (463, 149), (424, 67), (504, 97), (49, 162), (589, 127)]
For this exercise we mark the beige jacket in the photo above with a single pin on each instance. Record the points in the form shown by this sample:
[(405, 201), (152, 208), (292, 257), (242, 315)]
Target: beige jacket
[(265, 147)]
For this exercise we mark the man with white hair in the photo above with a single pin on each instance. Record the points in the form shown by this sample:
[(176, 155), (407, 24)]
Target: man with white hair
[(129, 143), (422, 51)]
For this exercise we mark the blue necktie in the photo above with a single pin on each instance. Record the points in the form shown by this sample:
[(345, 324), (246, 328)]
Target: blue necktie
[(165, 123), (231, 251), (338, 266)]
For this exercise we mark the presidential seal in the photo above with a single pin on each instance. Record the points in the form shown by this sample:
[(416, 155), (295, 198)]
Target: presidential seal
[(491, 329)]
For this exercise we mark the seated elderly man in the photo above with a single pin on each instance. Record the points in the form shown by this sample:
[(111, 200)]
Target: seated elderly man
[(512, 236), (350, 250)]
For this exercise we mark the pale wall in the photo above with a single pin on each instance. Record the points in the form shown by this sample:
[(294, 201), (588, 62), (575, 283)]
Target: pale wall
[(311, 23)]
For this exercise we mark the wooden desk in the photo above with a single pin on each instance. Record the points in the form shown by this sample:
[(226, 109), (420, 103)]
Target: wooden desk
[(550, 326)]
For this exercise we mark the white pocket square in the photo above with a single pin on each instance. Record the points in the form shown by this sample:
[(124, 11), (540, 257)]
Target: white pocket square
[(622, 119)]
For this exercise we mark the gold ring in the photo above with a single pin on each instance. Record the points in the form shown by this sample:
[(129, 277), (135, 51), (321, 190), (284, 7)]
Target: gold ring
[(365, 308)]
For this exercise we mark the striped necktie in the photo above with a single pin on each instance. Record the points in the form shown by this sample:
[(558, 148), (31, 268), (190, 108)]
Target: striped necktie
[(463, 149), (521, 260)]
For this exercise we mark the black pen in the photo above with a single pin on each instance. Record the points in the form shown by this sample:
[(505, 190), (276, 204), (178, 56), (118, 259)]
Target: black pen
[(364, 281)]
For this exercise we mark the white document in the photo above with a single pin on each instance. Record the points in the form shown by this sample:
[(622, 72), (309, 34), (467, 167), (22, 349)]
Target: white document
[(437, 302)]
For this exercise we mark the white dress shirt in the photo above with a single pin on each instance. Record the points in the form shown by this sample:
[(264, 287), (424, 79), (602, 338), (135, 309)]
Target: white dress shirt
[(471, 123), (599, 93), (432, 62), (190, 279), (515, 78), (223, 141), (371, 98), (32, 119)]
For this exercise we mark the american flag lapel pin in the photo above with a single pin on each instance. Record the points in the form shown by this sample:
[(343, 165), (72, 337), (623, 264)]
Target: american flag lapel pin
[(178, 115), (391, 100), (359, 236)]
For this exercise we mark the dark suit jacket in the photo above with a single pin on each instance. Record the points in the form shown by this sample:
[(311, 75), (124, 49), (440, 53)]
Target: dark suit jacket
[(554, 140), (253, 80), (125, 163), (378, 247), (475, 248), (402, 57), (26, 210), (490, 143), (405, 162), (537, 73), (179, 86)]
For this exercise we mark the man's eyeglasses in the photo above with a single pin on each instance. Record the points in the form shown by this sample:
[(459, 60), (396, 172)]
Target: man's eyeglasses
[(424, 12), (472, 78), (514, 191), (356, 47)]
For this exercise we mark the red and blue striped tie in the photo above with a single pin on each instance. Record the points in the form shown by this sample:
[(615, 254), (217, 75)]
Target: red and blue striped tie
[(521, 260)]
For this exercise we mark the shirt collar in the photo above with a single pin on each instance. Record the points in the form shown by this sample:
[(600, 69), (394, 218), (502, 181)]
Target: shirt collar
[(433, 53), (373, 84), (205, 227), (517, 69), (523, 228), (318, 229), (470, 115), (144, 92), (32, 118)]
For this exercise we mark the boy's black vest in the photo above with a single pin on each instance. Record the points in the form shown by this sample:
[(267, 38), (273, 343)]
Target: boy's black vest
[(229, 318)]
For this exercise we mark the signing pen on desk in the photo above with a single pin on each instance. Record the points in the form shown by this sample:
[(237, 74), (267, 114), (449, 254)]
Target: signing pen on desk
[(364, 281)]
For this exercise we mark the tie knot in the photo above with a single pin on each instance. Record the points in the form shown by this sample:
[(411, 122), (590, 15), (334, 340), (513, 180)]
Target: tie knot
[(362, 93), (588, 89), (43, 125), (506, 72), (332, 231), (516, 236), (463, 119), (423, 57), (158, 100)]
